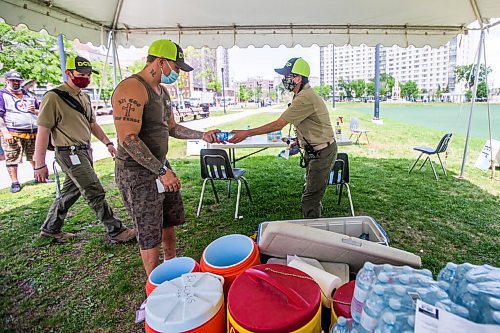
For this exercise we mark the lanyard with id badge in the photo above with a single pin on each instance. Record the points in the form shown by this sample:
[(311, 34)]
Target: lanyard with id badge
[(75, 160)]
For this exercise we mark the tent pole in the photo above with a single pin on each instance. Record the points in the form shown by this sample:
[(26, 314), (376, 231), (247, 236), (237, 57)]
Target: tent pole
[(223, 92), (333, 76), (62, 56), (104, 72), (113, 45), (376, 111), (118, 60), (474, 94), (492, 160)]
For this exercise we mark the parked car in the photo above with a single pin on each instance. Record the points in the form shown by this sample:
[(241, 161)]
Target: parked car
[(104, 111)]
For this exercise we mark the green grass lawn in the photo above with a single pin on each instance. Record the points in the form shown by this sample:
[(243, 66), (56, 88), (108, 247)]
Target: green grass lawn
[(87, 286)]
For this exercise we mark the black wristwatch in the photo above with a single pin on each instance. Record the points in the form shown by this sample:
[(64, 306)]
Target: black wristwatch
[(162, 171)]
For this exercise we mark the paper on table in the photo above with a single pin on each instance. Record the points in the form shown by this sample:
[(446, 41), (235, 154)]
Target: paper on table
[(429, 319)]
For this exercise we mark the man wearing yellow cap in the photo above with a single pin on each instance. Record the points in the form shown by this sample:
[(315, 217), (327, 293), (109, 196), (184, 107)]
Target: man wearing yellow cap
[(66, 115), (309, 114), (144, 122)]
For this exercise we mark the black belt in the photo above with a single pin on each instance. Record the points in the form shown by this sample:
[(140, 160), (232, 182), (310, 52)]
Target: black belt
[(73, 148)]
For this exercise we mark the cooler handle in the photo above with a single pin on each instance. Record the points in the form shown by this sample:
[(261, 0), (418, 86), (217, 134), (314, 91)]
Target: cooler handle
[(294, 298)]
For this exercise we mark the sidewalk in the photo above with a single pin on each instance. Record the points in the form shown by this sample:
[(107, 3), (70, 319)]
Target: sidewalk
[(25, 172)]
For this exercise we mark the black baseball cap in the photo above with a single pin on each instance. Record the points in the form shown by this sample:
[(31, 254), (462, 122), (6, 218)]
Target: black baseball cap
[(164, 48), (14, 75), (80, 64)]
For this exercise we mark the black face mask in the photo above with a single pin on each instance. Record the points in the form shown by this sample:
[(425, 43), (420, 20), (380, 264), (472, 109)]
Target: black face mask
[(288, 83)]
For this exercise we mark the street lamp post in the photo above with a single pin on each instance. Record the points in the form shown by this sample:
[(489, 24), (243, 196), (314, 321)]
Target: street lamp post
[(223, 91)]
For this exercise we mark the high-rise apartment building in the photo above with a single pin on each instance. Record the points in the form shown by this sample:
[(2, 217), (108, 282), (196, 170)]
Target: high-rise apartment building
[(429, 67)]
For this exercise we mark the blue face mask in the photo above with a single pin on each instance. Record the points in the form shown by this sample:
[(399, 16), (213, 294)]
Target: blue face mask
[(171, 78)]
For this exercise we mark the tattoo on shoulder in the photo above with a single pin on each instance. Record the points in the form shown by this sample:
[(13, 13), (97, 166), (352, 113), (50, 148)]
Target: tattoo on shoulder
[(152, 72), (128, 106), (141, 153)]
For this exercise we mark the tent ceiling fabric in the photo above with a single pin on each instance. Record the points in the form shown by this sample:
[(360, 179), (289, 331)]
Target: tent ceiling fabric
[(258, 22)]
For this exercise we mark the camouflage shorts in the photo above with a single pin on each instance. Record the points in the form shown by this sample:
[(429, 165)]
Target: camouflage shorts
[(15, 150), (150, 211)]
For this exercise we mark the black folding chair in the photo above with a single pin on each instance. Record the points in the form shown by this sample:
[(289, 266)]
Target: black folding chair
[(441, 148), (215, 165), (339, 176)]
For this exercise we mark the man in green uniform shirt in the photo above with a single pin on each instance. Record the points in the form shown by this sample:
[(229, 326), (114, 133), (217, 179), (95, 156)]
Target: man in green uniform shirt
[(309, 114), (71, 131)]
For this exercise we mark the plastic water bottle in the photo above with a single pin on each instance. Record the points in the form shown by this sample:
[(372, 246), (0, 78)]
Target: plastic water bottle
[(342, 326), (459, 310), (388, 323), (364, 280), (470, 299), (460, 272), (373, 307), (224, 136)]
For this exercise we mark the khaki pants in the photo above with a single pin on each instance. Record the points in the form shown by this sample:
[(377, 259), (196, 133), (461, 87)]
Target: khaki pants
[(317, 174), (80, 180)]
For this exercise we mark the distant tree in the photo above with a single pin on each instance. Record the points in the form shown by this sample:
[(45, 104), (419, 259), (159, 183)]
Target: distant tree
[(31, 53), (409, 89), (359, 87), (482, 90), (466, 73), (136, 67), (370, 89), (439, 92), (387, 82), (215, 86), (325, 91), (346, 87)]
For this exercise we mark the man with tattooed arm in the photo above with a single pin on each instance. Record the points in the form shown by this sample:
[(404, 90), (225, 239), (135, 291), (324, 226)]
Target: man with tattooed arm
[(144, 122)]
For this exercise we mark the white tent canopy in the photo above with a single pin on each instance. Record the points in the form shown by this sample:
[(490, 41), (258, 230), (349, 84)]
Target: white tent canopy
[(258, 22)]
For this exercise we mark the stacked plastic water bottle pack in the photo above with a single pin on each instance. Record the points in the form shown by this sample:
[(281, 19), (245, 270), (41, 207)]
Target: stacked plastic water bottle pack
[(384, 299), (474, 288)]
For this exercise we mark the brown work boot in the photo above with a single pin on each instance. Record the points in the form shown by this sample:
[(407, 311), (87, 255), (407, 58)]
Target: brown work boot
[(125, 236), (60, 237)]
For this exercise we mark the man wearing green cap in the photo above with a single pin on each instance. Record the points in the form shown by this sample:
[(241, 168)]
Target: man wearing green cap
[(144, 122), (309, 114), (66, 115)]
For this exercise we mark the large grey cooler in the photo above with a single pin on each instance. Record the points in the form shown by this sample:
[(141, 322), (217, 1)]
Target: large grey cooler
[(279, 239)]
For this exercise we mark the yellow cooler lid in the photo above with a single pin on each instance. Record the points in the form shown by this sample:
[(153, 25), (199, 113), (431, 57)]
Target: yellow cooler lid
[(184, 303)]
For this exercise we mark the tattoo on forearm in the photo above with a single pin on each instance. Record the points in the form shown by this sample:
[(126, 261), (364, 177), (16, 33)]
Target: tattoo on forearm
[(181, 132), (153, 72), (128, 106), (141, 153)]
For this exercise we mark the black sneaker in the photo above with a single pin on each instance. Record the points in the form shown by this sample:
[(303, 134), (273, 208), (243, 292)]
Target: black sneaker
[(15, 187)]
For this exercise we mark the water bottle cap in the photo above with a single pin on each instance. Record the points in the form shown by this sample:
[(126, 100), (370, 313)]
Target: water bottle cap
[(473, 289), (406, 269), (426, 272), (441, 293), (496, 317), (394, 304), (389, 318), (404, 279), (368, 265), (494, 303), (378, 289), (400, 290), (383, 278), (451, 265), (387, 267), (341, 321), (444, 285)]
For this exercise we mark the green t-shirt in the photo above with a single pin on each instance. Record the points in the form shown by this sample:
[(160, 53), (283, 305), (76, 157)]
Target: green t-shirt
[(309, 114), (68, 126)]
